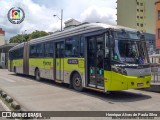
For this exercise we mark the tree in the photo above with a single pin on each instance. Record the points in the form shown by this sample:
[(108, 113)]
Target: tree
[(37, 34), (16, 39), (26, 37)]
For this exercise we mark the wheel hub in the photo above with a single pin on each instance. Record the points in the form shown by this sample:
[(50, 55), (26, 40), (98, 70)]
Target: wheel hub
[(77, 81)]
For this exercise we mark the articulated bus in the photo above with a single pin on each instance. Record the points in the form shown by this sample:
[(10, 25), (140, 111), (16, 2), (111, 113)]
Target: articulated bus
[(91, 55)]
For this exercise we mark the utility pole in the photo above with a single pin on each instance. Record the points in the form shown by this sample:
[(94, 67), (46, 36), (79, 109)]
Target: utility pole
[(23, 34), (60, 18)]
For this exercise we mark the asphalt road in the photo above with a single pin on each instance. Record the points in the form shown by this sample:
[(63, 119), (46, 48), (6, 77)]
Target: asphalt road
[(49, 96)]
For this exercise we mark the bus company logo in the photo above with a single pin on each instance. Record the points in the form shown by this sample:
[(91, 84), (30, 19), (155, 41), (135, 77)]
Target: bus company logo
[(16, 15)]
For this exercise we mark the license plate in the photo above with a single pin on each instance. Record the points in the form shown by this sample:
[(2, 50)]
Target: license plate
[(140, 84)]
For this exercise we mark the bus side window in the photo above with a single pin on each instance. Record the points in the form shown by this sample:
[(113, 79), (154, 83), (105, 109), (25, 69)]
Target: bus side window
[(17, 54), (40, 49), (33, 51), (20, 53), (72, 47), (48, 49), (82, 47), (51, 50)]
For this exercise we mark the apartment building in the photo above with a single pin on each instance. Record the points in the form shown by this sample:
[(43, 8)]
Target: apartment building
[(157, 30), (137, 14), (2, 34)]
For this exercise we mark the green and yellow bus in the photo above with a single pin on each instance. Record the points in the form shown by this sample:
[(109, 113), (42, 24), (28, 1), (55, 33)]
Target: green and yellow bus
[(91, 55)]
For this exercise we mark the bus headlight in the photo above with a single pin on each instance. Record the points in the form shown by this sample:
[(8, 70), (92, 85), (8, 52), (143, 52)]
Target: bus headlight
[(123, 71), (120, 71)]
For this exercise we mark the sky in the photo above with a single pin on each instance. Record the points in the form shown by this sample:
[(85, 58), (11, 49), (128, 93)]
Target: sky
[(39, 14)]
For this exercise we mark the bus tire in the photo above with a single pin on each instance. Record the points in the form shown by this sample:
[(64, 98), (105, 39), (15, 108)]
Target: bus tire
[(77, 82), (37, 75)]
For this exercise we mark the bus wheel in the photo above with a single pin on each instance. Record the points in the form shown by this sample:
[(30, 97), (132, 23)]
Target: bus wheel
[(77, 82), (37, 75)]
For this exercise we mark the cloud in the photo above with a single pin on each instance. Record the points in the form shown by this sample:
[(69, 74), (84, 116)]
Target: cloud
[(37, 17), (99, 14), (39, 14)]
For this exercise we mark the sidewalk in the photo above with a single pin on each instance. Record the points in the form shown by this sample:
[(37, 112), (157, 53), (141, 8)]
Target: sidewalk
[(2, 109)]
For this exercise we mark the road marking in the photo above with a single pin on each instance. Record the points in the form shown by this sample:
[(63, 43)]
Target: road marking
[(4, 106), (9, 80)]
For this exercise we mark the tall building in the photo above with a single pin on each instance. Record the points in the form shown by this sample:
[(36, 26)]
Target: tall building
[(137, 14), (2, 33), (157, 11)]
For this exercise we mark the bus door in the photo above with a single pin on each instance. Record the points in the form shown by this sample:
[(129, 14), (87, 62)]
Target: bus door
[(26, 59), (10, 65), (95, 61), (59, 61)]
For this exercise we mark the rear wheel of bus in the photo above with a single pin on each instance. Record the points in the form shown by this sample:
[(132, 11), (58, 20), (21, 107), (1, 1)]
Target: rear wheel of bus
[(77, 82)]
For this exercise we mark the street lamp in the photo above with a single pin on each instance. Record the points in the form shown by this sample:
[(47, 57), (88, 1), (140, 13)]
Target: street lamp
[(23, 34), (60, 18)]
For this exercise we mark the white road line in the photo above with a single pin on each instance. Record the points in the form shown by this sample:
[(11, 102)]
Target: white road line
[(4, 106), (9, 80)]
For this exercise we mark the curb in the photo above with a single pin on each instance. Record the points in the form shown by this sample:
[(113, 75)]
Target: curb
[(12, 103), (9, 99), (15, 105), (3, 94)]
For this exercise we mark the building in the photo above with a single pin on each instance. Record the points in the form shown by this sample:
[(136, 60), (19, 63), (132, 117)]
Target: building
[(71, 23), (137, 14), (2, 34), (155, 58), (4, 54), (157, 17), (150, 43)]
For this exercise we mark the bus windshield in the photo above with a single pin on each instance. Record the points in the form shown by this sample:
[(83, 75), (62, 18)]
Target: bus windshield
[(131, 51), (126, 34)]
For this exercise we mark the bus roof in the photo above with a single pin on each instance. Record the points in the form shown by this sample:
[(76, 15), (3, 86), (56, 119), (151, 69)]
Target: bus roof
[(80, 29), (20, 45)]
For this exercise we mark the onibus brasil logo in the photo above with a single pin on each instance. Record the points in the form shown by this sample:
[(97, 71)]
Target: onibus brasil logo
[(16, 15)]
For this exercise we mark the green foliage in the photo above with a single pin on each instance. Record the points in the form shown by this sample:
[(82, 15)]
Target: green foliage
[(37, 34), (19, 38), (26, 37)]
